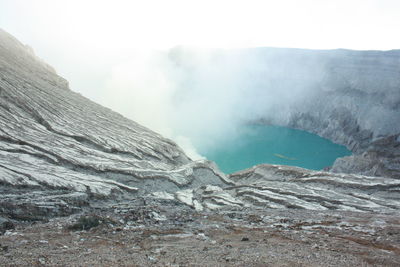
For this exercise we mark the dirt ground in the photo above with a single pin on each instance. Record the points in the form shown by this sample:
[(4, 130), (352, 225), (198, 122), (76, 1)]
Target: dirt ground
[(168, 235)]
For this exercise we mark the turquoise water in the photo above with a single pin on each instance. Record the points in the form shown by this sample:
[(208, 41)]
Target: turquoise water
[(256, 144)]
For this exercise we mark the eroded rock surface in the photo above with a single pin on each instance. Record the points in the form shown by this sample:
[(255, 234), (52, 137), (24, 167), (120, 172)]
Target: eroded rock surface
[(58, 150), (283, 187)]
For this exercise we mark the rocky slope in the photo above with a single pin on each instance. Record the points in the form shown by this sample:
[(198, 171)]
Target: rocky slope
[(283, 187), (168, 234), (59, 149), (60, 154)]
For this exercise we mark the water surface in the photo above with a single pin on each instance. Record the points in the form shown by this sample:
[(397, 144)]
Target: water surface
[(256, 144)]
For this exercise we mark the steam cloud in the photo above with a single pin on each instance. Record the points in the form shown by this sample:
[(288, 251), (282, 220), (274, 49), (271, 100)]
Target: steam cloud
[(199, 98)]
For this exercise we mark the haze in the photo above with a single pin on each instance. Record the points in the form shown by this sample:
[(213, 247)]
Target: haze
[(116, 52)]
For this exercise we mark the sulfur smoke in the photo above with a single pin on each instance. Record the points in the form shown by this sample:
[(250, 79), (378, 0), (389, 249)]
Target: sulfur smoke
[(200, 97)]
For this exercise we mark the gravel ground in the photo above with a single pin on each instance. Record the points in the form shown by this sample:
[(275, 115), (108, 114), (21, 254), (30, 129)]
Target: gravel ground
[(168, 234)]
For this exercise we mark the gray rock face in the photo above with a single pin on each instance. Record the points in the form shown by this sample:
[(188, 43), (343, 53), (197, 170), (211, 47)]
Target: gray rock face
[(58, 150), (358, 105), (282, 187), (381, 158), (61, 153), (285, 186), (357, 100)]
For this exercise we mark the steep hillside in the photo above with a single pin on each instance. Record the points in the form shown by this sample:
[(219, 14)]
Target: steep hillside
[(59, 149)]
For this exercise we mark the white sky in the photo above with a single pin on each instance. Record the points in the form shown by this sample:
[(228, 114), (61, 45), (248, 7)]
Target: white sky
[(80, 35), (98, 25)]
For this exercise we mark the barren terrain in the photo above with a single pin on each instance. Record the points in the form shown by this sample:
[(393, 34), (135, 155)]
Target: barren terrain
[(171, 234)]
